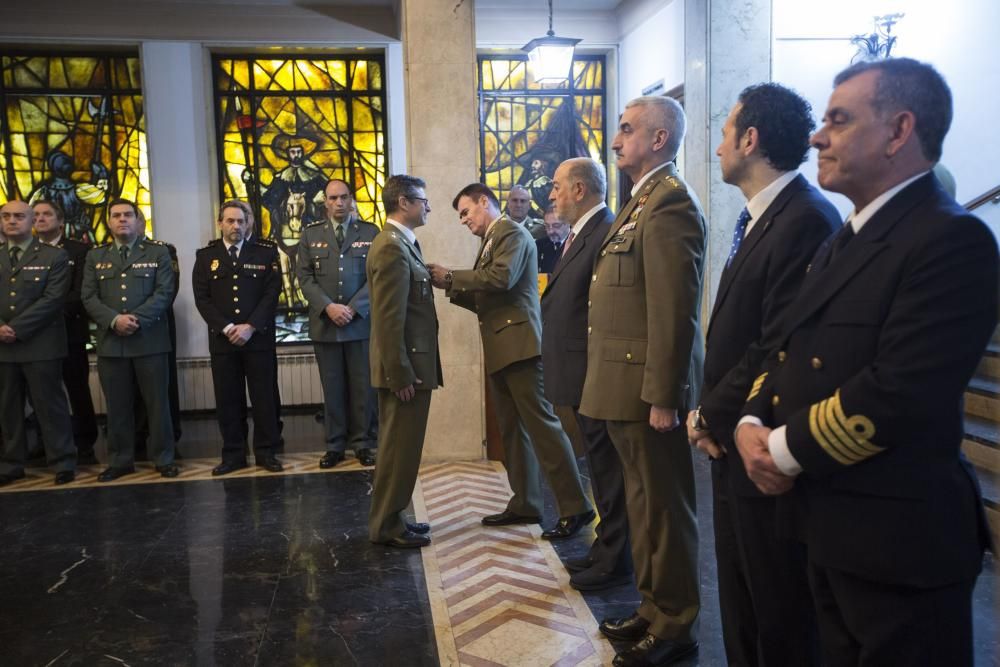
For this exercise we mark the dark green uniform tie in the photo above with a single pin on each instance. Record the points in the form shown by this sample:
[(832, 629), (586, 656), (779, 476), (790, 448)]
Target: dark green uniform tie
[(15, 254), (340, 234)]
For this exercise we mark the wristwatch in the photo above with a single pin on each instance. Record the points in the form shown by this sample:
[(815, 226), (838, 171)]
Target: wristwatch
[(449, 278)]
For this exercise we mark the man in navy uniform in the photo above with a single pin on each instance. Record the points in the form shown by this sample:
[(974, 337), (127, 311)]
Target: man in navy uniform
[(236, 285), (860, 404), (127, 288), (35, 278), (48, 223), (331, 272), (767, 616)]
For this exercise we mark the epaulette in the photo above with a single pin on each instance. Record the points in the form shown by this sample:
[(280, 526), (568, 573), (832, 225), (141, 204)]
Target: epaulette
[(365, 222), (213, 242), (106, 244), (672, 180), (267, 243), (316, 224), (155, 242)]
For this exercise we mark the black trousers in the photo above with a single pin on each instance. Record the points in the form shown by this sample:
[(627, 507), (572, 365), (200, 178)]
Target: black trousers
[(76, 377), (234, 374), (767, 611), (865, 623)]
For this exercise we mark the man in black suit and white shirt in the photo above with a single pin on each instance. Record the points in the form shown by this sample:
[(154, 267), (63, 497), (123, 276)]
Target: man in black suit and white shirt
[(860, 405), (578, 191), (767, 616), (550, 246)]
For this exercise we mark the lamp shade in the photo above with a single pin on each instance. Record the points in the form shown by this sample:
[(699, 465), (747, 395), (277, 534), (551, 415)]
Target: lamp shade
[(551, 58)]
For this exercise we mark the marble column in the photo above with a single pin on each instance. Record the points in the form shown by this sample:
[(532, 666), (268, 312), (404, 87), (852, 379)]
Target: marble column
[(728, 47), (442, 130)]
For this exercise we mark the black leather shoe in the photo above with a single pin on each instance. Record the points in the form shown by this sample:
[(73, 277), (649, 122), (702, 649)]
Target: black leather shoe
[(508, 518), (575, 565), (408, 540), (651, 651), (331, 459), (65, 477), (111, 474), (595, 580), (568, 526), (366, 457), (629, 629), (270, 464), (10, 477), (419, 528), (227, 467), (170, 470)]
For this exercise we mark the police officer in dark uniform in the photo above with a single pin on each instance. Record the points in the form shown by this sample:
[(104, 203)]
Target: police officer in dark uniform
[(48, 222), (127, 290), (236, 285), (331, 273), (36, 278)]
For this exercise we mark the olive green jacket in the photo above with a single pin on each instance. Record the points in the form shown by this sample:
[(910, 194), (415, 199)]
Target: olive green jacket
[(31, 302)]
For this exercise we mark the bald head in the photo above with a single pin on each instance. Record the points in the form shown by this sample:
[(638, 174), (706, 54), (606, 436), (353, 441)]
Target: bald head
[(518, 203), (16, 219)]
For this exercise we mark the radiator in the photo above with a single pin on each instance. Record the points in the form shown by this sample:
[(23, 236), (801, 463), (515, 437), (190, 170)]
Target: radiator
[(298, 383)]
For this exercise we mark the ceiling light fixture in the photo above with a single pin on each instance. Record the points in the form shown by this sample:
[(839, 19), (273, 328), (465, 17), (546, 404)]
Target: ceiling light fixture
[(550, 57)]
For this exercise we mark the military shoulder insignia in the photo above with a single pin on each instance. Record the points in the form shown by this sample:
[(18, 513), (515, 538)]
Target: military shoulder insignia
[(266, 243), (672, 181), (155, 242), (213, 242), (316, 224)]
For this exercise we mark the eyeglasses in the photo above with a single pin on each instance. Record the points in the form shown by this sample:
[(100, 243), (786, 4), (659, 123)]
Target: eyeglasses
[(426, 201)]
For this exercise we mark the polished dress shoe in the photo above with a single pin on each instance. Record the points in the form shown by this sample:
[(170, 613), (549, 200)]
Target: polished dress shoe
[(419, 528), (111, 474), (652, 651), (629, 629), (227, 467), (270, 464), (508, 518), (408, 540), (169, 471), (568, 526), (9, 477), (331, 459), (594, 579), (574, 565), (366, 457), (65, 477)]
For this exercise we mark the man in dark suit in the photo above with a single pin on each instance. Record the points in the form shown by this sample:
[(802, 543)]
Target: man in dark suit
[(236, 285), (502, 289), (36, 277), (644, 356), (579, 186), (127, 290), (49, 221), (767, 615), (550, 246), (860, 405), (405, 361), (331, 272)]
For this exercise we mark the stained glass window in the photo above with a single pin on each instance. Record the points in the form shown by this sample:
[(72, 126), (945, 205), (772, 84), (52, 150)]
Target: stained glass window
[(285, 126), (527, 129), (73, 131)]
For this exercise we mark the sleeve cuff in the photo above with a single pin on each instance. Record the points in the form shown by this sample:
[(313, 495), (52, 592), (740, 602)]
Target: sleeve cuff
[(777, 444), (226, 328)]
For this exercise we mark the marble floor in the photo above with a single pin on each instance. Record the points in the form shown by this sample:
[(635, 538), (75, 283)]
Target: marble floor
[(276, 569)]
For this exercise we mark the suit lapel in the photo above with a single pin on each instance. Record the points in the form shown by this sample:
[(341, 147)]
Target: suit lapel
[(857, 254), (579, 243)]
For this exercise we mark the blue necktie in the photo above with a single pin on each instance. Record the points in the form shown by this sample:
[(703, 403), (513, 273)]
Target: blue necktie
[(741, 228)]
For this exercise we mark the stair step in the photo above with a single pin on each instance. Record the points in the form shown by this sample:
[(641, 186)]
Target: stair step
[(989, 365), (982, 400), (986, 458), (984, 431)]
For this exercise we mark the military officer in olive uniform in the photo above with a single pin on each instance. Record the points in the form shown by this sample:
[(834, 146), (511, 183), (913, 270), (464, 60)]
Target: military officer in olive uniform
[(502, 289), (331, 273), (519, 212), (236, 285), (35, 278), (405, 363), (76, 366), (127, 289), (644, 366)]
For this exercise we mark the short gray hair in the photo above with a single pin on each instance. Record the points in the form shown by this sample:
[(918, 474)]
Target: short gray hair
[(663, 113), (590, 172)]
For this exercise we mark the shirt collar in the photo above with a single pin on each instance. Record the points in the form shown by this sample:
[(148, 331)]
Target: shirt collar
[(23, 245), (404, 230), (585, 218), (762, 201), (857, 219), (131, 246), (239, 246), (649, 175)]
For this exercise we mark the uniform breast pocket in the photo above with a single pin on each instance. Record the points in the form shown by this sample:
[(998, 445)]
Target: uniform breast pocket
[(420, 290), (146, 279), (359, 260), (623, 261), (33, 283), (104, 282), (320, 261)]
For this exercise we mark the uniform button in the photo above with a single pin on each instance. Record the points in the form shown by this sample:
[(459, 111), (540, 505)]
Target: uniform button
[(603, 253), (508, 321), (237, 311), (341, 282), (123, 275), (816, 362), (589, 330), (413, 349), (340, 268), (236, 298), (13, 293), (13, 280), (235, 287), (628, 356), (775, 400), (124, 286), (782, 355), (593, 278), (124, 298)]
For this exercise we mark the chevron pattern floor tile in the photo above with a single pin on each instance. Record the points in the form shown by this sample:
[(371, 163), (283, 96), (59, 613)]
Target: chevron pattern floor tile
[(499, 595)]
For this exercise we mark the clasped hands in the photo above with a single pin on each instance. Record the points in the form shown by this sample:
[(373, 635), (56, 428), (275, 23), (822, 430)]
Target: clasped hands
[(7, 334), (339, 314), (126, 324), (751, 441), (239, 334)]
